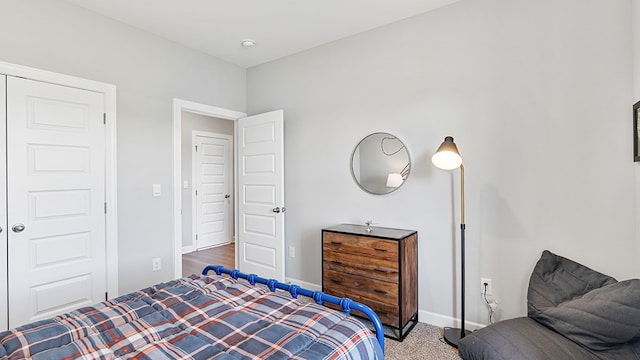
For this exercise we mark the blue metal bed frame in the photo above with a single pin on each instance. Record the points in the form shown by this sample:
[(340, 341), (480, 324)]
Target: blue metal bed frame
[(346, 304)]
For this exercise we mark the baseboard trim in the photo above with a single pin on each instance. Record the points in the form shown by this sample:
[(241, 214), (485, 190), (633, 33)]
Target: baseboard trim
[(440, 320), (188, 249), (426, 317), (304, 284)]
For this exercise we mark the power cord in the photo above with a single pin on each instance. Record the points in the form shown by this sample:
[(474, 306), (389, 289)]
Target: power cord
[(492, 305)]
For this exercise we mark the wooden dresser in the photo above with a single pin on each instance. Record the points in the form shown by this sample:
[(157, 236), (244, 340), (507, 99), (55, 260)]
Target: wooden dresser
[(378, 268)]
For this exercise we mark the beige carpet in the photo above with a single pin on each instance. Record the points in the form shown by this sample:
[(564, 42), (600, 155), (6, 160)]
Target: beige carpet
[(424, 342)]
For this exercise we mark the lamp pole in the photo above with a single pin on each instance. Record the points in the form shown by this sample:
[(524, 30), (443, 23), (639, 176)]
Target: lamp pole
[(448, 157), (462, 244), (453, 335)]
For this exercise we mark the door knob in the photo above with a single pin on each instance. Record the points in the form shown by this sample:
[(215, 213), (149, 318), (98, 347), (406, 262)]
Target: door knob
[(276, 210), (18, 228), (227, 196)]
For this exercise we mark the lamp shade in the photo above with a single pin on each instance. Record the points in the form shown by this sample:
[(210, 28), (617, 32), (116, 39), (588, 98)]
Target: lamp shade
[(394, 180), (447, 156)]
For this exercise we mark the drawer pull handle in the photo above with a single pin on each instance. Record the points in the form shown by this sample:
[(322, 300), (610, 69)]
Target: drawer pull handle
[(382, 271), (336, 262), (378, 249), (336, 243), (336, 281), (380, 291)]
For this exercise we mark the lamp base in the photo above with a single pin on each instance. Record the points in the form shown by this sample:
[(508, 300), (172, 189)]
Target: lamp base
[(453, 336)]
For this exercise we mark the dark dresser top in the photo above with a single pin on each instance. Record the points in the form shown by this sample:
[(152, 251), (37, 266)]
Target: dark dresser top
[(376, 231)]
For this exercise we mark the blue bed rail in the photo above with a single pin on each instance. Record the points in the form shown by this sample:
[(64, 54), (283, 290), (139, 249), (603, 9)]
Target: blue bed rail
[(318, 296)]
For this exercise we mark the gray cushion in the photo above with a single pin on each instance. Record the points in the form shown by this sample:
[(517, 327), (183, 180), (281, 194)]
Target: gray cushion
[(585, 306), (601, 318), (556, 279), (525, 339), (519, 339)]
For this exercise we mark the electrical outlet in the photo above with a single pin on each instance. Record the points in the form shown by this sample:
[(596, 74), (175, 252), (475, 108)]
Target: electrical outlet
[(489, 288), (292, 251), (156, 264)]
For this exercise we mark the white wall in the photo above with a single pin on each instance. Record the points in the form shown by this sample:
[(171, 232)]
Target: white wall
[(148, 72), (197, 122), (537, 95)]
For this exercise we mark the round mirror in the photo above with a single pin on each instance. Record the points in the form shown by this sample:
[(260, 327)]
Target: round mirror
[(380, 163)]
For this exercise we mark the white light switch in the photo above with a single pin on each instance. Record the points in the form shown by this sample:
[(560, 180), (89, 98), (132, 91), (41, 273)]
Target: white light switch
[(185, 184), (157, 190)]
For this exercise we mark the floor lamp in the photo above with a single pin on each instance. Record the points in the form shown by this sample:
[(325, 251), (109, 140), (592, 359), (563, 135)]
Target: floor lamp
[(447, 157)]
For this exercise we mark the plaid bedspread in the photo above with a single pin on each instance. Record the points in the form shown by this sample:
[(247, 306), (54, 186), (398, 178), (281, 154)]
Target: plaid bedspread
[(200, 317)]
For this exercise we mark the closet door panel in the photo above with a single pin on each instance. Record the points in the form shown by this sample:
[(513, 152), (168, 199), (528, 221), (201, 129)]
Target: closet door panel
[(56, 174), (3, 207)]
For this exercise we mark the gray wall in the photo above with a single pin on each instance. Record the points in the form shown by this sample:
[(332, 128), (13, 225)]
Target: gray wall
[(537, 95), (148, 72), (191, 122)]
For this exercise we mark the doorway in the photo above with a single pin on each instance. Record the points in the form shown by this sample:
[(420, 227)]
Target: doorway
[(260, 146), (194, 262), (187, 118), (207, 181), (207, 185)]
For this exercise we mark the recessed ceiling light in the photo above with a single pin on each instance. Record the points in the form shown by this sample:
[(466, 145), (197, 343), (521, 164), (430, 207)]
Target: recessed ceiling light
[(248, 43)]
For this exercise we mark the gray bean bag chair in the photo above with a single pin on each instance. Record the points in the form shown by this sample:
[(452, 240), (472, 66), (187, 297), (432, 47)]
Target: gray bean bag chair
[(574, 312)]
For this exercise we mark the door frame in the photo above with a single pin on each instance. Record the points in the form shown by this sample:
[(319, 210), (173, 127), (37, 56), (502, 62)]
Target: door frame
[(109, 93), (194, 219), (4, 231), (179, 106)]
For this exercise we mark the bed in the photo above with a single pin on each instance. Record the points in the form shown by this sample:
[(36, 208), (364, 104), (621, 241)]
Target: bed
[(218, 316)]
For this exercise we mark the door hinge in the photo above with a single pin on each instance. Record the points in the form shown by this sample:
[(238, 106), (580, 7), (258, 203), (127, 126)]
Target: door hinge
[(196, 192), (196, 236), (105, 208), (106, 296), (196, 148), (104, 118)]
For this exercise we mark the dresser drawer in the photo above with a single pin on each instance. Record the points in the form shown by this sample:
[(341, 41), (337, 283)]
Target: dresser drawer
[(388, 313), (385, 270), (350, 244), (377, 290)]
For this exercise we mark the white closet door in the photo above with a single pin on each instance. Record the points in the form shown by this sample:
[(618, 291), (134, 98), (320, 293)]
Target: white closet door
[(213, 167), (4, 319), (56, 195)]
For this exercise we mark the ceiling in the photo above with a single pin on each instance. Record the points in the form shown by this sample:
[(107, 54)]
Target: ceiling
[(279, 27)]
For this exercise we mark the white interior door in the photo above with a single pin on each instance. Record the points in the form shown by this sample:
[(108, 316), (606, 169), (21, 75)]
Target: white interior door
[(56, 197), (212, 177), (261, 195), (4, 319)]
